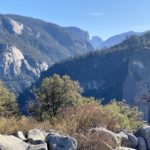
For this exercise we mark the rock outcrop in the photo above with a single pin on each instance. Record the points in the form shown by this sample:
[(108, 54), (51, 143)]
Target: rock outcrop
[(36, 139), (16, 68), (14, 63), (96, 139), (140, 140), (17, 27)]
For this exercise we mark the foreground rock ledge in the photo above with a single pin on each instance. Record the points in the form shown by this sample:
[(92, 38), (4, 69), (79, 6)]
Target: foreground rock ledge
[(101, 139), (36, 139)]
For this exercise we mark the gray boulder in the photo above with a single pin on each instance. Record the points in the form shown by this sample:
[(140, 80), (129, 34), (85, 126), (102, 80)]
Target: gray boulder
[(128, 139), (144, 131), (12, 143), (61, 142), (35, 136), (38, 147), (142, 144)]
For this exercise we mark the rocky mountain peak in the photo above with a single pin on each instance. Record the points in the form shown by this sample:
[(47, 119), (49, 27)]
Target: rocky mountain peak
[(96, 41)]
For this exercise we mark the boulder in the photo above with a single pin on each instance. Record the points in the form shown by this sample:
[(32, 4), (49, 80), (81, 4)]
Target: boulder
[(144, 131), (128, 139), (61, 142), (142, 144), (106, 136), (20, 135), (35, 136), (12, 143), (38, 147)]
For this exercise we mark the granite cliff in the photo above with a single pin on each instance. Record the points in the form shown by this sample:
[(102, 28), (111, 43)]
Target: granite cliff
[(29, 46)]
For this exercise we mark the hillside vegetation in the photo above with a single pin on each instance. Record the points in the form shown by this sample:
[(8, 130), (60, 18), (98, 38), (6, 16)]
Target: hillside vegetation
[(105, 74), (60, 106)]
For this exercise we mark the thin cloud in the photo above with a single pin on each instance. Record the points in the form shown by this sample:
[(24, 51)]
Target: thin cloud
[(96, 14)]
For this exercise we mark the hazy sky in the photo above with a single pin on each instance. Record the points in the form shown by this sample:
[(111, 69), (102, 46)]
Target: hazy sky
[(100, 17)]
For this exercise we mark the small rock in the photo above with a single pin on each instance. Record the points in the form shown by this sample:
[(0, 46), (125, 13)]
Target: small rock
[(60, 142), (38, 147), (106, 136), (142, 144), (35, 136)]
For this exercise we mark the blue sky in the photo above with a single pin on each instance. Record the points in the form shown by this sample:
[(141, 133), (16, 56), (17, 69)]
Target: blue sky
[(100, 17)]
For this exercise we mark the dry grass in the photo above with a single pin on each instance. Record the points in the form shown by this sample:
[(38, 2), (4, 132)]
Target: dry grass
[(70, 120), (82, 118), (91, 142), (75, 121), (13, 124)]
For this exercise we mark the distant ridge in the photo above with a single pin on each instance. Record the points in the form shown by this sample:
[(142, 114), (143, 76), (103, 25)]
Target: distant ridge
[(120, 72), (29, 46), (117, 39)]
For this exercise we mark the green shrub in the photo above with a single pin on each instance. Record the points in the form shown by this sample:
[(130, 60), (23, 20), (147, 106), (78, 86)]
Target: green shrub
[(8, 104), (58, 99), (127, 117), (54, 93), (89, 114)]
